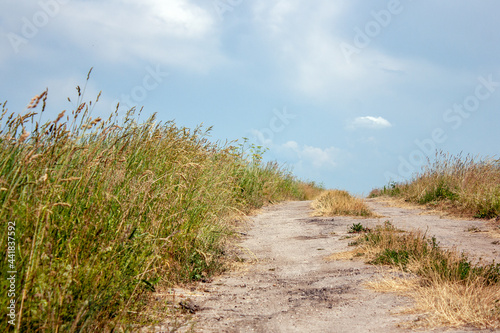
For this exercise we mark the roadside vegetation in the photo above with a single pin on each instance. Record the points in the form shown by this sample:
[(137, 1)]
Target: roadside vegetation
[(449, 289), (466, 186), (340, 203), (108, 210)]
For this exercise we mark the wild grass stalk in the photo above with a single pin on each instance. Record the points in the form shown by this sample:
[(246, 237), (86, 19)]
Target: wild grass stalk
[(105, 210)]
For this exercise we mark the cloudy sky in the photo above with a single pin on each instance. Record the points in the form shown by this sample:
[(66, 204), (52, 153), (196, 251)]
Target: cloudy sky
[(349, 93)]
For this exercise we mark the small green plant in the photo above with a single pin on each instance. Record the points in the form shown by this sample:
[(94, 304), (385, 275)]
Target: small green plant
[(357, 228)]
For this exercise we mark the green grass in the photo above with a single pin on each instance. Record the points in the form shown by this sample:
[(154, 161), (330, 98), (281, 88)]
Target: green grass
[(106, 210), (465, 186)]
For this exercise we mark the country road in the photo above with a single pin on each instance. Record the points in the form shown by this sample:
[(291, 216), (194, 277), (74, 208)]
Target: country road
[(288, 285)]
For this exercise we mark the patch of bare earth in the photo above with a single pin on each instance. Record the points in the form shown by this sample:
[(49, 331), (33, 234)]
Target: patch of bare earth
[(288, 285)]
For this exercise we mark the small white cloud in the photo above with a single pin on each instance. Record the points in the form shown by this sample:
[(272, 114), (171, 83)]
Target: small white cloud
[(308, 155), (369, 122), (321, 157), (262, 138), (291, 145)]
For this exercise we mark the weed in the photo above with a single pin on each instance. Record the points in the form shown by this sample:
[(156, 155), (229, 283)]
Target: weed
[(357, 228)]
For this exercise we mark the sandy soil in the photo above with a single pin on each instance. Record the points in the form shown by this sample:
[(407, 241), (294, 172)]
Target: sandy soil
[(287, 285)]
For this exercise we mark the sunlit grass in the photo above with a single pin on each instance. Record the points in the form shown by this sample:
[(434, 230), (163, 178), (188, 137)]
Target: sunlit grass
[(338, 202)]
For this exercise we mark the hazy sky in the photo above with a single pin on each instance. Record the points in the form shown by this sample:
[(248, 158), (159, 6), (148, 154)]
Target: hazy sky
[(348, 93)]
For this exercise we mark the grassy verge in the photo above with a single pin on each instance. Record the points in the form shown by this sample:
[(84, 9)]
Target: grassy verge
[(338, 202), (106, 210), (464, 186), (448, 288)]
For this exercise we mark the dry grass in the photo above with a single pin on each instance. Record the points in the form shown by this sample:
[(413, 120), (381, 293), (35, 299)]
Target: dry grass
[(444, 303), (106, 211), (465, 186), (340, 203), (447, 288), (346, 255), (311, 190)]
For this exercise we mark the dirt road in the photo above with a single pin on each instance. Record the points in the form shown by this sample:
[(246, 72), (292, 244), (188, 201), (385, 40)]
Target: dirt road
[(289, 286)]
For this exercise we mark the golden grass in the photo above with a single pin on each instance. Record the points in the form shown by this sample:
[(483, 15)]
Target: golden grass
[(345, 255), (311, 190), (340, 203), (441, 303)]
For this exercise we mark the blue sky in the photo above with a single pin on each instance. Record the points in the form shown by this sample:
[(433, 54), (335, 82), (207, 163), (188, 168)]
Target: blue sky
[(351, 94)]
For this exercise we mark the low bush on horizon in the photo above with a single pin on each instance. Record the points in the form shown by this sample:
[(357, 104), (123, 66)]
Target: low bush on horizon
[(449, 288), (339, 202), (466, 186), (105, 210)]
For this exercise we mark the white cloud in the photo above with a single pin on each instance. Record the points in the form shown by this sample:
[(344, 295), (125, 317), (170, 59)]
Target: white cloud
[(294, 153), (309, 156), (369, 122), (320, 158), (171, 32), (166, 32), (262, 138), (306, 38)]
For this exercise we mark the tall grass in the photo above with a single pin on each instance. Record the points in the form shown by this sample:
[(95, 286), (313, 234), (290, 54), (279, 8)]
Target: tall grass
[(105, 210), (464, 185), (339, 202)]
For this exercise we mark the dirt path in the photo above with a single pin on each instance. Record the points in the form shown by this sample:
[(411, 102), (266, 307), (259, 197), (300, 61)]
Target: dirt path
[(288, 286)]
